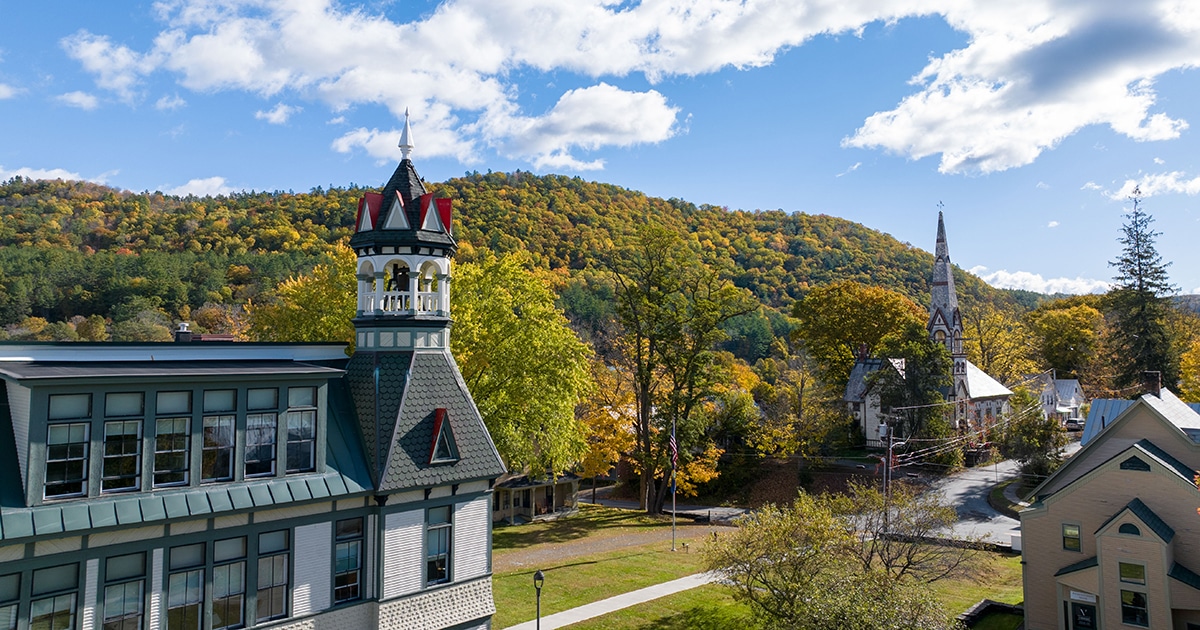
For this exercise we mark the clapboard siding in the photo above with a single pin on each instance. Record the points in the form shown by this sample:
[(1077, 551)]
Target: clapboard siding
[(403, 544), (470, 539), (312, 591)]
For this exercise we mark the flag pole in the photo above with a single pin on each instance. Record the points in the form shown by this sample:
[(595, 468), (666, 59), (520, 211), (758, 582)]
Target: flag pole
[(674, 460)]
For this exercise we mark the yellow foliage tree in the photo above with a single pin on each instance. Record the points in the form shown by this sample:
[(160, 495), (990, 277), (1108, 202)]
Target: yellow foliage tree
[(318, 306)]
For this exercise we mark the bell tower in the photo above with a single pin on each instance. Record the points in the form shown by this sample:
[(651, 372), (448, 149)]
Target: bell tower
[(945, 322), (404, 246)]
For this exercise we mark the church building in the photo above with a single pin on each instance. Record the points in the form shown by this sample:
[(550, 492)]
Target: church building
[(211, 485), (979, 399)]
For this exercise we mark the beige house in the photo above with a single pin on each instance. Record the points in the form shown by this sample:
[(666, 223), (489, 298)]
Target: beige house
[(1112, 539)]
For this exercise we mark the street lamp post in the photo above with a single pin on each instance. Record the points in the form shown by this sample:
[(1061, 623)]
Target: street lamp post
[(538, 579)]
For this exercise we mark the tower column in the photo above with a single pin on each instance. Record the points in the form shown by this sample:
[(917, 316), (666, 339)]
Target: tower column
[(443, 305), (380, 285), (414, 284)]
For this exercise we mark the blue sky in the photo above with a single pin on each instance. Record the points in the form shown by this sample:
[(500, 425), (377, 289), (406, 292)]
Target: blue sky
[(1029, 121)]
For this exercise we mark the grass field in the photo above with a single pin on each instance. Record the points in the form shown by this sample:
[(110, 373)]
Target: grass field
[(587, 578)]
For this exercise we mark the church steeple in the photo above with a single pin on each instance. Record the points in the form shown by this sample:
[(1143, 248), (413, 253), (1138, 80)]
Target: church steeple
[(945, 322)]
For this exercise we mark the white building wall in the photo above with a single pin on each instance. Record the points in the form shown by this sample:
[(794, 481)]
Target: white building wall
[(403, 550), (312, 590), (470, 549)]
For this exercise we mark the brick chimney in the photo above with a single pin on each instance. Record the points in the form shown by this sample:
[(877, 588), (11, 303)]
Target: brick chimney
[(1152, 382)]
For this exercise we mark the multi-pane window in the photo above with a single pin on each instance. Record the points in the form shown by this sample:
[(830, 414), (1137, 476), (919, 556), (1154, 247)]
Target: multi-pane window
[(1132, 573), (437, 545), (1070, 537), (229, 583), (347, 571), (301, 429), (122, 455), (185, 587), (272, 575), (261, 429), (172, 438), (1134, 610), (10, 595), (219, 435), (124, 592), (55, 590), (66, 459)]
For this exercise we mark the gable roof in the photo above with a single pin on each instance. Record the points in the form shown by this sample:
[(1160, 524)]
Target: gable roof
[(1146, 515), (980, 385), (1105, 411), (1104, 453), (858, 386)]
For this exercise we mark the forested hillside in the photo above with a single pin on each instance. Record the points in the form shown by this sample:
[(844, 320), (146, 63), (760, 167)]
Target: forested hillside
[(70, 249)]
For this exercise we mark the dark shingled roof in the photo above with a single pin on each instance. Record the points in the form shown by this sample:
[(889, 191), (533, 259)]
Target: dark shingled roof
[(1185, 575), (1152, 520), (1086, 563), (434, 383), (406, 182), (377, 383)]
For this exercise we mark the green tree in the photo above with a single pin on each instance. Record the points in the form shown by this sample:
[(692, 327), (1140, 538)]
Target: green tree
[(525, 367), (800, 567), (1067, 335), (837, 320), (1189, 385), (998, 342), (1032, 438), (671, 308), (318, 306), (1138, 301), (917, 393)]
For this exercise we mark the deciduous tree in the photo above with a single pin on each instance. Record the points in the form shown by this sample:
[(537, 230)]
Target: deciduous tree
[(836, 320), (671, 307), (318, 306), (1032, 438), (526, 369), (998, 342), (802, 567)]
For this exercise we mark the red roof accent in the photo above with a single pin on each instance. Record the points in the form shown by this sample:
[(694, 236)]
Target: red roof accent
[(443, 208), (374, 201), (426, 202), (439, 417)]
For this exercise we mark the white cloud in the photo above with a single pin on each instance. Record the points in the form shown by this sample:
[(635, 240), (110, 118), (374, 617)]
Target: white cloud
[(279, 115), (1004, 279), (1174, 182), (1033, 72), (167, 103), (853, 167), (1052, 224), (1091, 186), (1159, 161), (340, 120), (206, 187), (7, 91), (82, 100), (38, 173), (53, 173), (1043, 186)]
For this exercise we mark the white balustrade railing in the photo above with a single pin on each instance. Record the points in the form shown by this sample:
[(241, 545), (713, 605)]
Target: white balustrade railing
[(400, 302)]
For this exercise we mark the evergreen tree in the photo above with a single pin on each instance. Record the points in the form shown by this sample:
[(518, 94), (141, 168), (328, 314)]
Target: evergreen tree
[(1138, 301)]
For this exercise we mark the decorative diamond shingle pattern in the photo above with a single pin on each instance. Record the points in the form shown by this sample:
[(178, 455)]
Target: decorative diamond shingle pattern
[(377, 383), (435, 383)]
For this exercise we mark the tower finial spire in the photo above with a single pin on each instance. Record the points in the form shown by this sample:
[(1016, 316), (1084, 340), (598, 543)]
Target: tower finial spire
[(406, 145)]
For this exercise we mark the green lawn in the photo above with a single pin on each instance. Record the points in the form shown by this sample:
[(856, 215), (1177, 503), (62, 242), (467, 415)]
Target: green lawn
[(709, 607), (712, 607), (583, 580), (590, 521)]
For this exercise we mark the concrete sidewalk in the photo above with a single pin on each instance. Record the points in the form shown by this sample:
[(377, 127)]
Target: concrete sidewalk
[(625, 600)]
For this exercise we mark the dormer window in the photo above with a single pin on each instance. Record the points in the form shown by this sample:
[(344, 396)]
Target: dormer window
[(444, 451)]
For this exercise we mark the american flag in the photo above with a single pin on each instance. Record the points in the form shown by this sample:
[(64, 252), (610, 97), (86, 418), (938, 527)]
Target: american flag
[(674, 451)]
